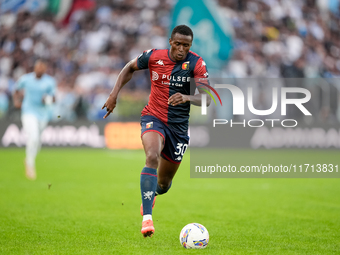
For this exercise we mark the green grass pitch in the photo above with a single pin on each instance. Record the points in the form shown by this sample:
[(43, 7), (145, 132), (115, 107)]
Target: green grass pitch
[(87, 202)]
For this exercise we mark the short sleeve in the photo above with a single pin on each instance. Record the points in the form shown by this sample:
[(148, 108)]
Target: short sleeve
[(201, 70), (20, 84), (143, 59), (201, 73)]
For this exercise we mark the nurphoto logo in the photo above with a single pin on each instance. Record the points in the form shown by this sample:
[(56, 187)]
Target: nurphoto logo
[(239, 104)]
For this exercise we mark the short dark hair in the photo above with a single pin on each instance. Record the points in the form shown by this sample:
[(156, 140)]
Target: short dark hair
[(183, 30)]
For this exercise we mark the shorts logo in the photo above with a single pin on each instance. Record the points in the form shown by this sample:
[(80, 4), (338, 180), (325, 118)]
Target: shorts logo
[(178, 158), (149, 125), (185, 65), (154, 76)]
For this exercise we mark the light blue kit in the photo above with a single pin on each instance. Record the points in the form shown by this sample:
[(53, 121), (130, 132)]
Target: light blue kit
[(34, 90)]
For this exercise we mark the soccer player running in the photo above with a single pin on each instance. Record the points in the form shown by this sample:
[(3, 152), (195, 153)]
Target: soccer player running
[(34, 92), (164, 121)]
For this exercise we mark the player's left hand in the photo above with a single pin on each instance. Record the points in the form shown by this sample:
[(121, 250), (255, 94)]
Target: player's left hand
[(178, 98)]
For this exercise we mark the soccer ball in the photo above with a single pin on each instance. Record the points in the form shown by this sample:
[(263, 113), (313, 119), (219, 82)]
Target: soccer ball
[(194, 236)]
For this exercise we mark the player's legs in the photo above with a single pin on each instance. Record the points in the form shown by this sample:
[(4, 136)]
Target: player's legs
[(42, 125), (153, 145), (31, 128), (172, 155), (166, 172)]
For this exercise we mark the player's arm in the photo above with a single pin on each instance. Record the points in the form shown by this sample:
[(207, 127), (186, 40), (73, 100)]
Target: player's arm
[(18, 96), (201, 78), (124, 76), (179, 98), (49, 97)]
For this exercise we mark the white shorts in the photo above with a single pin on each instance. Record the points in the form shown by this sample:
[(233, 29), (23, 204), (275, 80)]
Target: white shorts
[(33, 127)]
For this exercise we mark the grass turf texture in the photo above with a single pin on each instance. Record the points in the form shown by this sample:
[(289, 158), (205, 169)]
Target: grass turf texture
[(87, 202)]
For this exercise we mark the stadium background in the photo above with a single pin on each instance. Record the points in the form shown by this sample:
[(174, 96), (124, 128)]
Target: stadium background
[(75, 204), (88, 42)]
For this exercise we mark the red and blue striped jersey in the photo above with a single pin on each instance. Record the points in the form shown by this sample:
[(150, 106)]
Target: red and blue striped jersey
[(167, 78)]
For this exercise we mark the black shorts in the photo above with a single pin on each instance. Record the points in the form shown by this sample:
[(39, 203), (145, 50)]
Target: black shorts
[(175, 144)]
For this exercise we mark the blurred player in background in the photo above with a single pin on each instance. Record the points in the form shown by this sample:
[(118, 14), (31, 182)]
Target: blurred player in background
[(164, 120), (34, 92)]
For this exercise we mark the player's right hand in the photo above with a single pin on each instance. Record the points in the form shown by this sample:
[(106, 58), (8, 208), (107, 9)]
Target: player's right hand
[(110, 104)]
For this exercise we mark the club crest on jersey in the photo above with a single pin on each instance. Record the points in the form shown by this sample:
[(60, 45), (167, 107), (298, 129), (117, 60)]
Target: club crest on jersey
[(149, 124), (160, 62), (185, 65)]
